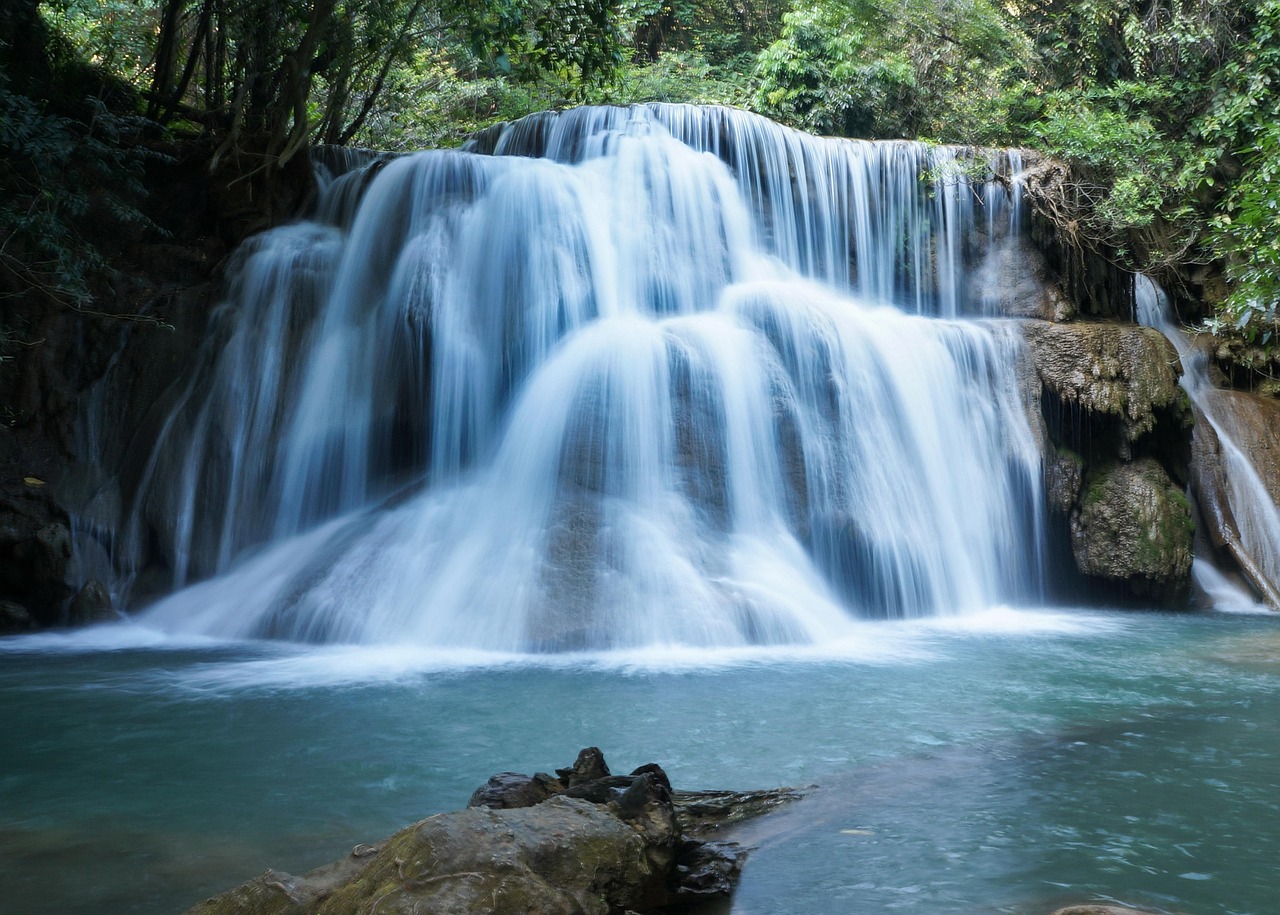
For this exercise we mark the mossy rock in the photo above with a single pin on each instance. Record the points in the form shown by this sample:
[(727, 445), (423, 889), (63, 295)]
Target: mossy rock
[(1118, 370), (565, 856), (1134, 525)]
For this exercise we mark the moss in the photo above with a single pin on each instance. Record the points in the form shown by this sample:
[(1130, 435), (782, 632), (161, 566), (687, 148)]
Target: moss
[(1134, 525)]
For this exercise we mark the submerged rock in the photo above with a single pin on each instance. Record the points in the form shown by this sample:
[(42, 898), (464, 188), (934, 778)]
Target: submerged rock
[(586, 843)]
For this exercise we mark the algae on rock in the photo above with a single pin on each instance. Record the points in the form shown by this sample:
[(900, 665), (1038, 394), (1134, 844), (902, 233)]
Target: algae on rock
[(1134, 524)]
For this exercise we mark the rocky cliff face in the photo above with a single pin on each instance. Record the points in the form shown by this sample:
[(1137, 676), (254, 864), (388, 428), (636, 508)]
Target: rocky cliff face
[(142, 326), (1116, 428)]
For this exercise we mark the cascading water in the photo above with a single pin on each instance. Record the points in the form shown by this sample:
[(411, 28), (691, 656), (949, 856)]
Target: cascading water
[(1256, 517), (614, 377)]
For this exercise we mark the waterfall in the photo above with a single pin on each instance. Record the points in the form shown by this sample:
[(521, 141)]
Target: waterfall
[(1256, 515), (607, 378)]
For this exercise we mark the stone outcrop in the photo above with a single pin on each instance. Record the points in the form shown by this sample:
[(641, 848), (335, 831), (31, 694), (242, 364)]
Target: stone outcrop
[(582, 842), (1117, 371), (1116, 430)]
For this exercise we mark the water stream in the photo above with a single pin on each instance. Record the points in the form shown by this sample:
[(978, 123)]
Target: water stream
[(658, 375), (1256, 516)]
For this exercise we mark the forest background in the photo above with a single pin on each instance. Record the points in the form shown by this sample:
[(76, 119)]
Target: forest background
[(1166, 112)]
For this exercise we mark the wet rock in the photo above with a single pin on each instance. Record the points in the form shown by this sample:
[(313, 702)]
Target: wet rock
[(707, 870), (33, 565), (1123, 371), (1063, 475), (589, 766), (1115, 429), (92, 604), (1017, 281), (557, 854), (1100, 910), (1134, 526), (1253, 423), (704, 813), (508, 790), (14, 618)]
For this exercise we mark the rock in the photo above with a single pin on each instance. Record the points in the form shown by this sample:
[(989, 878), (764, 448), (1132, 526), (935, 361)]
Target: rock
[(92, 604), (33, 563), (704, 813), (1134, 525), (1089, 276), (508, 790), (1016, 281), (558, 855), (589, 766), (707, 870), (562, 857), (1123, 371), (1116, 429), (1253, 425), (1100, 910), (14, 618), (1063, 475)]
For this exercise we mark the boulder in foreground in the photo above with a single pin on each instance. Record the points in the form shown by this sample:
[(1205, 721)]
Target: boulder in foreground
[(583, 842)]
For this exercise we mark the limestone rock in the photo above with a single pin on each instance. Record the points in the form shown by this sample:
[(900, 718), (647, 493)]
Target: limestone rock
[(529, 845), (1133, 525), (1253, 423), (1017, 281), (562, 857), (1124, 371), (1116, 429), (1063, 475)]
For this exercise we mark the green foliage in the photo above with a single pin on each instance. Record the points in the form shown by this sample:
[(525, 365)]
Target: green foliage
[(947, 69), (1242, 125), (1166, 109), (825, 74), (58, 173), (115, 35)]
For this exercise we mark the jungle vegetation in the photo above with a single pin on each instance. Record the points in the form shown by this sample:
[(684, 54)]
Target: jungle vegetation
[(1168, 111)]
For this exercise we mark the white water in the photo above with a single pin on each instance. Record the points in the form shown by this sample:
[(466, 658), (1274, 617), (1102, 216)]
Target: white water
[(1257, 517), (669, 383)]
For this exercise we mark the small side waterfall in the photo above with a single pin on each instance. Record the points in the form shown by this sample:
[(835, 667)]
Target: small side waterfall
[(614, 377), (1254, 515)]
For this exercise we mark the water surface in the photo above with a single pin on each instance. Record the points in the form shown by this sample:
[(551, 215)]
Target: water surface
[(1004, 762)]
